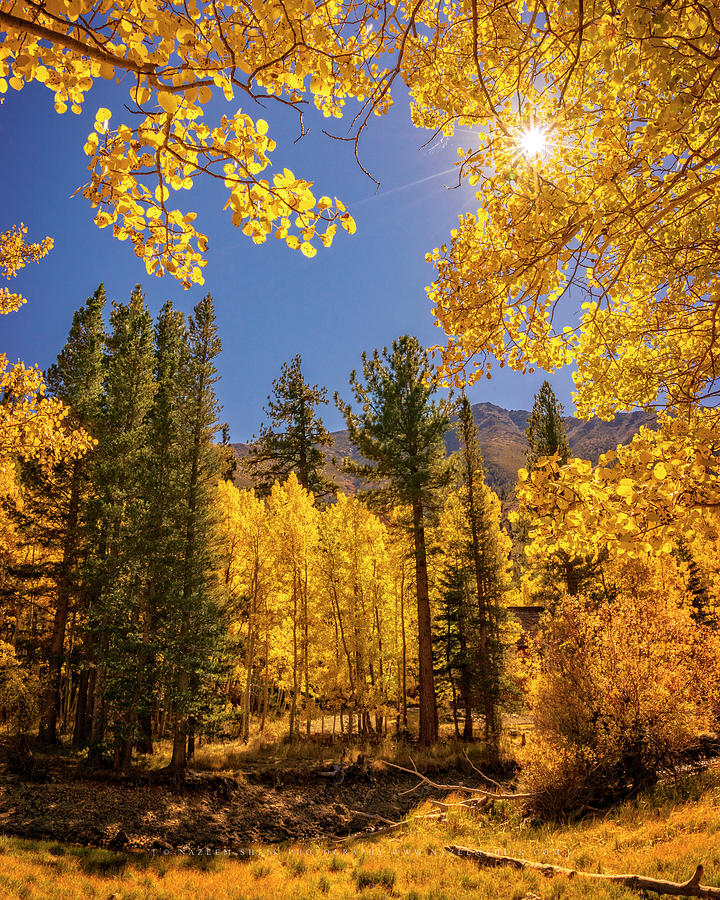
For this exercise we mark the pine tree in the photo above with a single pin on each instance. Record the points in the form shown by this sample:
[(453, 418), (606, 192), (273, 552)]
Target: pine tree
[(488, 552), (55, 495), (400, 431), (116, 608), (159, 542), (546, 437), (453, 654), (295, 444), (195, 630), (546, 431)]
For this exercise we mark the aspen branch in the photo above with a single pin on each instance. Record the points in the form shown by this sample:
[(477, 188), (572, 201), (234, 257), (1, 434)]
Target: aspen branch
[(689, 888), (9, 21)]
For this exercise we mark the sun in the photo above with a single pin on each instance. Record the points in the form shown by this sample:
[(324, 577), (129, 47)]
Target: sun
[(533, 141)]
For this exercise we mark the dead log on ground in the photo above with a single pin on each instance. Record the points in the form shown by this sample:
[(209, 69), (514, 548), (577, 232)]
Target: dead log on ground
[(689, 888)]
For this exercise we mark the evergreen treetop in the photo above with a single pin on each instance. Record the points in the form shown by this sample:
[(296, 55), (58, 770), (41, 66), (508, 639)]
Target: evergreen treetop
[(292, 440), (546, 431), (400, 429)]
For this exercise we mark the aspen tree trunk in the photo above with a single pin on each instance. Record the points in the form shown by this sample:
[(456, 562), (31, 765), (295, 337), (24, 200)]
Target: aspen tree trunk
[(250, 654), (306, 653), (398, 678), (428, 701), (404, 649), (379, 718), (70, 684), (55, 654), (348, 656), (484, 662), (452, 684), (266, 682), (293, 705)]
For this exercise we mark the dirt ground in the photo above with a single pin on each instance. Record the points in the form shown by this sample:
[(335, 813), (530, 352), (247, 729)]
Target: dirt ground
[(267, 806)]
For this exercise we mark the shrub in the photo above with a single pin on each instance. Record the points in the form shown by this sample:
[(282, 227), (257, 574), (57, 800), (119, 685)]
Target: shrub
[(622, 695), (19, 690)]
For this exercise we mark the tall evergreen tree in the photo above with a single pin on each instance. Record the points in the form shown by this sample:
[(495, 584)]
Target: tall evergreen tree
[(488, 555), (546, 437), (195, 633), (400, 431), (292, 440), (546, 431), (453, 656), (55, 495), (161, 538), (116, 609)]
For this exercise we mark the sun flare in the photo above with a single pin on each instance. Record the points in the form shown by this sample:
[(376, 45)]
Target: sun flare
[(533, 141)]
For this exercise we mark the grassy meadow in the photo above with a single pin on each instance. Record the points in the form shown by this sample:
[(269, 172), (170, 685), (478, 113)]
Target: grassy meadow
[(663, 833)]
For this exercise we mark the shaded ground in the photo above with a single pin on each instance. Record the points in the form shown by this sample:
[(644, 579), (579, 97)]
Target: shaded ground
[(269, 805)]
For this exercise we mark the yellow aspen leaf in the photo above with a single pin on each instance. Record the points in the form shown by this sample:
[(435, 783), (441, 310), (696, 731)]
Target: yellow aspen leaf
[(169, 102), (625, 487), (308, 250), (659, 471)]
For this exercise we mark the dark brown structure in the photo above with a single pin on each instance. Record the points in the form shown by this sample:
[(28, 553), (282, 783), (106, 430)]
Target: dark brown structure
[(529, 619)]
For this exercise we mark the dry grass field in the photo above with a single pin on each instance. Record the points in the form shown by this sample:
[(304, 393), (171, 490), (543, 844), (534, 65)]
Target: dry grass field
[(664, 833)]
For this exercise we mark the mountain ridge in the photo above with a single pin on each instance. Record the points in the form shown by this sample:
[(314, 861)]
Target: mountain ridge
[(503, 441)]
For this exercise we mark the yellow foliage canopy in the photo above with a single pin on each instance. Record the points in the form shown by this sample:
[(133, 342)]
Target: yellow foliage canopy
[(642, 498), (31, 425), (616, 203), (15, 254), (180, 58)]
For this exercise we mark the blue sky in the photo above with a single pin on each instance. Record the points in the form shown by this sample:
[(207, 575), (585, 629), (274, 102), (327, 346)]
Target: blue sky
[(271, 302)]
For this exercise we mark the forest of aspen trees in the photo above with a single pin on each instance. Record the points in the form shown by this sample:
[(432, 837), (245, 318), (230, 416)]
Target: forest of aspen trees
[(145, 597), (172, 615), (148, 600)]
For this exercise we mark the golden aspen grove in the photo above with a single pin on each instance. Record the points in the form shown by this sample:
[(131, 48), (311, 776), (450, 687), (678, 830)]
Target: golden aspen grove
[(447, 649)]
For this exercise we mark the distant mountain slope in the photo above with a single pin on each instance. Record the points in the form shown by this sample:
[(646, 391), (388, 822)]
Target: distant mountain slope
[(502, 438)]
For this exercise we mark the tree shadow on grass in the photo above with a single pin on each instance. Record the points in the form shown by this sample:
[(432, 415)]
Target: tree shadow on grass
[(101, 862)]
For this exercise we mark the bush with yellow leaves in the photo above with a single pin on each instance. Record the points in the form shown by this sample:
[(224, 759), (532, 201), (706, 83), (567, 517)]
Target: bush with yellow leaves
[(626, 686), (19, 690)]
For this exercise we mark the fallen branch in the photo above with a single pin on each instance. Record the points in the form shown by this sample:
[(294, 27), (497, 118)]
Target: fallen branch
[(487, 778), (689, 888), (388, 826), (480, 792), (476, 803)]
